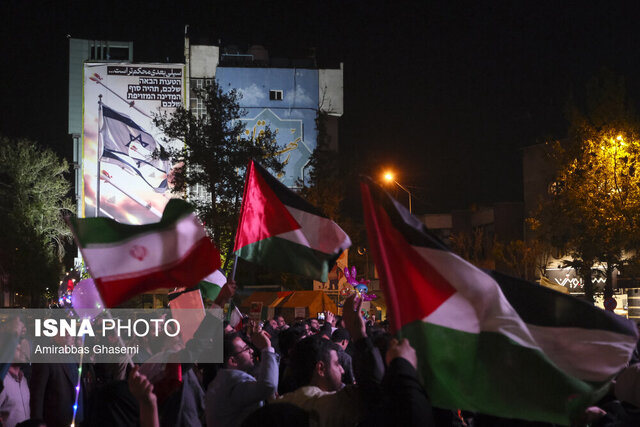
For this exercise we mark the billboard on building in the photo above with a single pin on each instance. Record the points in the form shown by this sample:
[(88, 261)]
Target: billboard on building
[(284, 99), (120, 176)]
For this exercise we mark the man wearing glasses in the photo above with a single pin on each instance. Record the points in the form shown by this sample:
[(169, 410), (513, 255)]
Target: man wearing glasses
[(235, 393)]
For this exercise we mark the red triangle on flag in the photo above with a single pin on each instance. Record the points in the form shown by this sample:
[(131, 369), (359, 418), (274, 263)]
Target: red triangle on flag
[(263, 214)]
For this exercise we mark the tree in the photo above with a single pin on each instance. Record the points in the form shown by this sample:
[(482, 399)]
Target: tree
[(209, 168), (594, 207), (522, 259), (473, 247), (325, 188), (35, 195)]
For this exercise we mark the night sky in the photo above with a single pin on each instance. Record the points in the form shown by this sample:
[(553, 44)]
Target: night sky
[(447, 93)]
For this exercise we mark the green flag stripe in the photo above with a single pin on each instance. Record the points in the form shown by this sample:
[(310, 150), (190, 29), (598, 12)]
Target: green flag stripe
[(284, 255), (104, 230), (488, 372), (209, 290)]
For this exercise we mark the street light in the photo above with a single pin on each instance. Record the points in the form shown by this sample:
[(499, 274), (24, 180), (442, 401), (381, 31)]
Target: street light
[(389, 177)]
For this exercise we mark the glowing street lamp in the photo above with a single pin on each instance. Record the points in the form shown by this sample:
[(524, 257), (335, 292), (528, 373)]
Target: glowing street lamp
[(390, 178)]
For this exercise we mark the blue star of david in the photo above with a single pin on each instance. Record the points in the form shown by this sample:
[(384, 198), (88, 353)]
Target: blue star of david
[(136, 138)]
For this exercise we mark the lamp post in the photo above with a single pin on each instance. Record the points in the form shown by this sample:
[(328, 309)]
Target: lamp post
[(389, 177)]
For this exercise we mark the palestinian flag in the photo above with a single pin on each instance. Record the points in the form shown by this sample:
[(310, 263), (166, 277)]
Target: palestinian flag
[(127, 260), (211, 285), (488, 342), (283, 232)]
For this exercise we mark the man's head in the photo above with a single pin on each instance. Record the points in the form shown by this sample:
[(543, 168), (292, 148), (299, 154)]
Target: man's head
[(315, 362), (314, 325), (281, 322), (274, 324), (341, 337), (237, 353)]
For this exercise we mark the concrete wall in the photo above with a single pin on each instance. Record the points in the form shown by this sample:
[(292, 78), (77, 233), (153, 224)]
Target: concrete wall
[(331, 88), (204, 61), (78, 53), (537, 174), (509, 221)]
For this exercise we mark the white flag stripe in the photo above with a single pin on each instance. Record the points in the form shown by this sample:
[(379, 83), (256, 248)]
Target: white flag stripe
[(144, 251), (317, 232), (235, 317), (217, 278), (490, 307), (572, 349), (575, 351)]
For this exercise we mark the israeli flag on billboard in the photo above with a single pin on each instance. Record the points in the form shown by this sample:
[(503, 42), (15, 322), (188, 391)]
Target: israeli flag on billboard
[(127, 144)]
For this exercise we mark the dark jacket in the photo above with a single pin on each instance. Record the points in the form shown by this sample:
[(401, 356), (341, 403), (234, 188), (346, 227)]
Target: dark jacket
[(403, 401), (53, 393)]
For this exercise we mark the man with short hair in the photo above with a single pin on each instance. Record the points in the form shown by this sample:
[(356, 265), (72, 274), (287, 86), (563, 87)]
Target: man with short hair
[(235, 393), (341, 337), (319, 374), (14, 398), (282, 325), (314, 325)]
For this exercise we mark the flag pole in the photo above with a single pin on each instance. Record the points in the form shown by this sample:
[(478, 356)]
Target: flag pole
[(135, 198), (99, 155), (96, 78), (235, 263)]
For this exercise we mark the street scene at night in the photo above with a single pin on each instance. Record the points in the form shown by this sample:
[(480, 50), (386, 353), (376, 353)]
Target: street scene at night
[(324, 213)]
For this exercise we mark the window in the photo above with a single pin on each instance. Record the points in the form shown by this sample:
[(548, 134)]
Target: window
[(196, 105), (118, 53), (275, 95)]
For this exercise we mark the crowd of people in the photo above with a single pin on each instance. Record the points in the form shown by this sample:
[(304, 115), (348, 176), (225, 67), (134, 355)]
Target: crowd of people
[(339, 371)]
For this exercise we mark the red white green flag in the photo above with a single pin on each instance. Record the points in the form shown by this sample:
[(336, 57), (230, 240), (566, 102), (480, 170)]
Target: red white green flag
[(126, 260), (487, 342), (283, 232)]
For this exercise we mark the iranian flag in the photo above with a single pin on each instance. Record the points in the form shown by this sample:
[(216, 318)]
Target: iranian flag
[(126, 260), (488, 342), (283, 232)]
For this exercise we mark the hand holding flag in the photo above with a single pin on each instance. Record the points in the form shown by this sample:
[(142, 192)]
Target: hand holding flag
[(487, 342)]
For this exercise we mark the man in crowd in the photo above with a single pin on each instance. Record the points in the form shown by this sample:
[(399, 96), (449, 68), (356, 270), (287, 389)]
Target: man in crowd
[(318, 373), (235, 393), (341, 337), (282, 325), (14, 398)]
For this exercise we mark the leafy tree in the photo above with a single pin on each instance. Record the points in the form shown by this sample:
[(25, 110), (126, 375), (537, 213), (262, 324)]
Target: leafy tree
[(325, 184), (521, 259), (35, 196), (325, 188), (216, 152), (594, 207), (473, 247)]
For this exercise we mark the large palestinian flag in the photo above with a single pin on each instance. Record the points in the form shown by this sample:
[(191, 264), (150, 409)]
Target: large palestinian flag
[(283, 232), (126, 260), (487, 342)]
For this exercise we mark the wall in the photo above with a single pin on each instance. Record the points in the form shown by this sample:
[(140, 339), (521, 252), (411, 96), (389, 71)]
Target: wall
[(331, 88), (293, 117)]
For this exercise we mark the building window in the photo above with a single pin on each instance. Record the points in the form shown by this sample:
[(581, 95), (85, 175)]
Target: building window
[(195, 104), (275, 95)]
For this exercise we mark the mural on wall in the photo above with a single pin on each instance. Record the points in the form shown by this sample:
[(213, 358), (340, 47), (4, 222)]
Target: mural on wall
[(294, 152), (285, 100)]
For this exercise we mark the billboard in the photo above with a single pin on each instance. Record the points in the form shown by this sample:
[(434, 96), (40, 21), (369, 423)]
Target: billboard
[(120, 177), (285, 100)]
